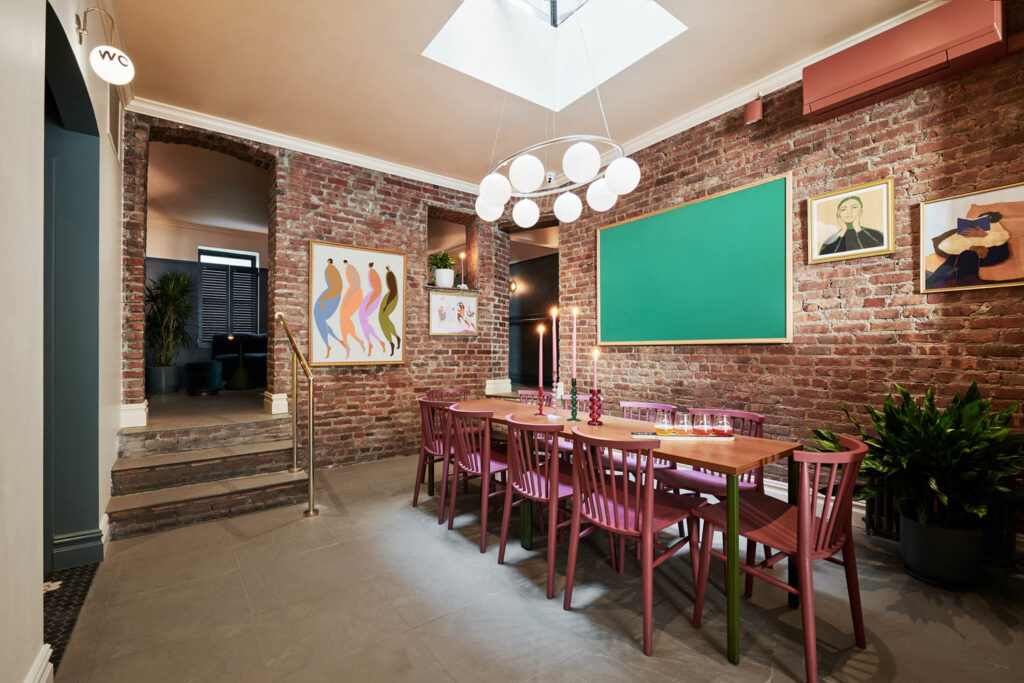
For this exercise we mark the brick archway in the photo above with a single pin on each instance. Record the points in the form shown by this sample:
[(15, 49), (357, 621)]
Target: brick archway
[(139, 131)]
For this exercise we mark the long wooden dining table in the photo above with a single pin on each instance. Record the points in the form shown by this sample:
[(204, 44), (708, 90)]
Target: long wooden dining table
[(729, 458)]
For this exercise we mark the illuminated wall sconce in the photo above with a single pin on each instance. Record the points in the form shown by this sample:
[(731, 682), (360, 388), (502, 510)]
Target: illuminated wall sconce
[(753, 112), (513, 286), (110, 63)]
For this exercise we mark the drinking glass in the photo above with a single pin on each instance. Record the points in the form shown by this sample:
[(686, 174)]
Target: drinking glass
[(663, 424), (722, 426), (702, 425), (684, 424)]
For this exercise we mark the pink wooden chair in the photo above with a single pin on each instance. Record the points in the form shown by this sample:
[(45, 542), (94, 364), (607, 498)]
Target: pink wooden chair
[(529, 397), (646, 412), (826, 480), (451, 395), (626, 504), (435, 446), (474, 458), (536, 473)]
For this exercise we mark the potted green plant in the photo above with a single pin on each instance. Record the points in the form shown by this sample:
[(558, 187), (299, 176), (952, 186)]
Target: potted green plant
[(170, 302), (944, 468), (442, 264)]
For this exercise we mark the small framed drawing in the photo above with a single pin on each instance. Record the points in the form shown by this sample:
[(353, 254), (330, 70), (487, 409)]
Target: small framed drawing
[(453, 315), (973, 240), (851, 223)]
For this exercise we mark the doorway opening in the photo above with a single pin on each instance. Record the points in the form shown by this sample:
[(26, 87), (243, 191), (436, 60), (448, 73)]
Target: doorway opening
[(533, 292)]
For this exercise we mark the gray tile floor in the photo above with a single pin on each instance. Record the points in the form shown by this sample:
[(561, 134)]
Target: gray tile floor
[(375, 590)]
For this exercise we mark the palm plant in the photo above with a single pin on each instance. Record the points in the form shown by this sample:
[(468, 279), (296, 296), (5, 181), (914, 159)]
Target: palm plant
[(170, 302)]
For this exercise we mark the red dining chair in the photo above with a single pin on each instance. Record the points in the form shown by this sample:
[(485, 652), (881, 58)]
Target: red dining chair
[(435, 446), (529, 397), (474, 458), (536, 473), (826, 480), (626, 504), (452, 395), (646, 412)]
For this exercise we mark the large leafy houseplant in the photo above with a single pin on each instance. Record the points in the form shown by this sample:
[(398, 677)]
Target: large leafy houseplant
[(170, 302)]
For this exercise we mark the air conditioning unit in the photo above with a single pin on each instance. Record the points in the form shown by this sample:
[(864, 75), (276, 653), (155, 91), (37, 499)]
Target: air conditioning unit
[(943, 42)]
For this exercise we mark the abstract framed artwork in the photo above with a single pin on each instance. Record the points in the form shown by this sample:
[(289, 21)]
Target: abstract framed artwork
[(973, 240), (854, 222), (356, 305), (453, 315)]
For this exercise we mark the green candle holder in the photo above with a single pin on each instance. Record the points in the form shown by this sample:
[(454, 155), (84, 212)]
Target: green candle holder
[(574, 402)]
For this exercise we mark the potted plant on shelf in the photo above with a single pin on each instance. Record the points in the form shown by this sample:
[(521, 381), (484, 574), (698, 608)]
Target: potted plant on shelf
[(441, 263), (944, 469), (170, 302)]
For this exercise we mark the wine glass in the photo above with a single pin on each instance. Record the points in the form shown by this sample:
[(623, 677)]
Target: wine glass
[(663, 424), (702, 425), (684, 424), (722, 426)]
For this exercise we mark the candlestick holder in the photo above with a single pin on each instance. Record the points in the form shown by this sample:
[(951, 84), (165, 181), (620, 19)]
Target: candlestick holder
[(596, 403), (540, 400), (574, 404)]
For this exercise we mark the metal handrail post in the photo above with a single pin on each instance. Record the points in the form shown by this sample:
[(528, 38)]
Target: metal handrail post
[(311, 510), (295, 415)]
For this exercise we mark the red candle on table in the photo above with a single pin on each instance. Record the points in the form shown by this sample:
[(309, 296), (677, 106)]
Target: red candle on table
[(594, 386), (540, 359), (554, 344)]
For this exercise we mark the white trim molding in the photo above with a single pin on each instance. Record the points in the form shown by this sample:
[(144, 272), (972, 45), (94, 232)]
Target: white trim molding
[(134, 414), (142, 105), (275, 404), (104, 532), (771, 83), (41, 670), (780, 490)]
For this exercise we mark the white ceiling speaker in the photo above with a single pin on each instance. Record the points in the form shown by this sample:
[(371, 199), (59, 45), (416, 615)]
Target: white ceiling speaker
[(622, 176), (526, 173), (581, 162), (599, 197), (487, 212), (568, 207), (495, 189), (525, 213)]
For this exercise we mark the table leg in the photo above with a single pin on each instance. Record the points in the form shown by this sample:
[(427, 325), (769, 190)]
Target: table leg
[(794, 571), (732, 569), (526, 524)]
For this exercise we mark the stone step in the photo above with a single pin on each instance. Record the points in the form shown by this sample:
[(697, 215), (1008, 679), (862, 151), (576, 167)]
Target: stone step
[(139, 442), (137, 513), (149, 472)]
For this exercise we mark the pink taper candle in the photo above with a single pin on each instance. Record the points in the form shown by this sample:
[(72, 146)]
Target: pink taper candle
[(595, 370), (554, 344), (540, 356), (575, 312), (462, 260)]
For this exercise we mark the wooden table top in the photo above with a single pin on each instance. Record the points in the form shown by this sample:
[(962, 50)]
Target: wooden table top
[(741, 455)]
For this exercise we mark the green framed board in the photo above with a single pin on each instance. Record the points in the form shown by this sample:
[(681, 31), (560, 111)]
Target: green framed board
[(718, 270)]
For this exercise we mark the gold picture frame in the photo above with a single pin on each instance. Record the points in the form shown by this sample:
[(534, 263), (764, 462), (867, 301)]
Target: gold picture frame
[(337, 329), (832, 215), (967, 262), (446, 320)]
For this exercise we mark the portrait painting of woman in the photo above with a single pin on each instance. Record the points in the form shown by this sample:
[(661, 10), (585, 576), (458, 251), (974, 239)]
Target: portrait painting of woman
[(854, 222)]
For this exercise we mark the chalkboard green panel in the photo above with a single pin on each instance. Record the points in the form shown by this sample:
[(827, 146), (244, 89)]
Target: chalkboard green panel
[(712, 271)]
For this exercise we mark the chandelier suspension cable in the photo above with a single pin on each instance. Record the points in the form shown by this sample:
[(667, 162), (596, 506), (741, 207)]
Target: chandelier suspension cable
[(593, 76), (501, 115)]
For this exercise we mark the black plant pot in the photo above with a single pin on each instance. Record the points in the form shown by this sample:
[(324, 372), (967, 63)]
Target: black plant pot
[(161, 379), (944, 557)]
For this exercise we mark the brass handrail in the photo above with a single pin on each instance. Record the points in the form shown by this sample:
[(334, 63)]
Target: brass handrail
[(297, 361)]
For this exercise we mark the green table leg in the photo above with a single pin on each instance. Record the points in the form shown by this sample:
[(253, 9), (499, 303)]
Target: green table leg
[(794, 571), (732, 550), (430, 479), (526, 524)]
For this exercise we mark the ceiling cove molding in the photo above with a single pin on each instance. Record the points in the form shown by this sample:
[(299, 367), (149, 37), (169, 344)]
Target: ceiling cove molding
[(771, 83), (166, 223), (142, 105)]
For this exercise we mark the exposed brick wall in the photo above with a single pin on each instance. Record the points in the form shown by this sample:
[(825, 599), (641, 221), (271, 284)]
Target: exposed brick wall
[(362, 412), (859, 325)]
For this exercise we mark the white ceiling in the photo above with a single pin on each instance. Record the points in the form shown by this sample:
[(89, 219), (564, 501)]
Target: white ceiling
[(350, 74)]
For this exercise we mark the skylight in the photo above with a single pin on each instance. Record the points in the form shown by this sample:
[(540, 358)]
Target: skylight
[(501, 42)]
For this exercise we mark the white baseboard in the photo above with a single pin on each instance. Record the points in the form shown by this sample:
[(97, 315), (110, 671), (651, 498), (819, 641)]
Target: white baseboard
[(275, 404), (42, 669), (134, 414), (105, 532), (780, 490), (498, 386)]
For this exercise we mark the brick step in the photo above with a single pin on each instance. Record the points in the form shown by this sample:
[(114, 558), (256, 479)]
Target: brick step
[(138, 442), (149, 472), (138, 513)]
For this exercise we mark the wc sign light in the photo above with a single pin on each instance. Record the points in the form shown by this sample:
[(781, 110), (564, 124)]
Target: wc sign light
[(111, 64)]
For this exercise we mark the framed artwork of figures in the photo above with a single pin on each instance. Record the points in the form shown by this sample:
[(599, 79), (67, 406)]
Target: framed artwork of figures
[(853, 222), (356, 305), (453, 315), (973, 241)]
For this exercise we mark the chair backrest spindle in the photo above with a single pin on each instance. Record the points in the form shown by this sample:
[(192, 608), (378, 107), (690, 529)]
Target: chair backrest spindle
[(834, 492)]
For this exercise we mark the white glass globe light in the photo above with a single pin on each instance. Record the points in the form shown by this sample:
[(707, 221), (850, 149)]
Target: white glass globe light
[(599, 197), (487, 212), (581, 162), (526, 173), (568, 207), (495, 189), (525, 213), (111, 64), (622, 175)]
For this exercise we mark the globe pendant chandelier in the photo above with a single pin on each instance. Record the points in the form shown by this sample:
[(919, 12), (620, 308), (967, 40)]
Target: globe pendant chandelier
[(597, 163)]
